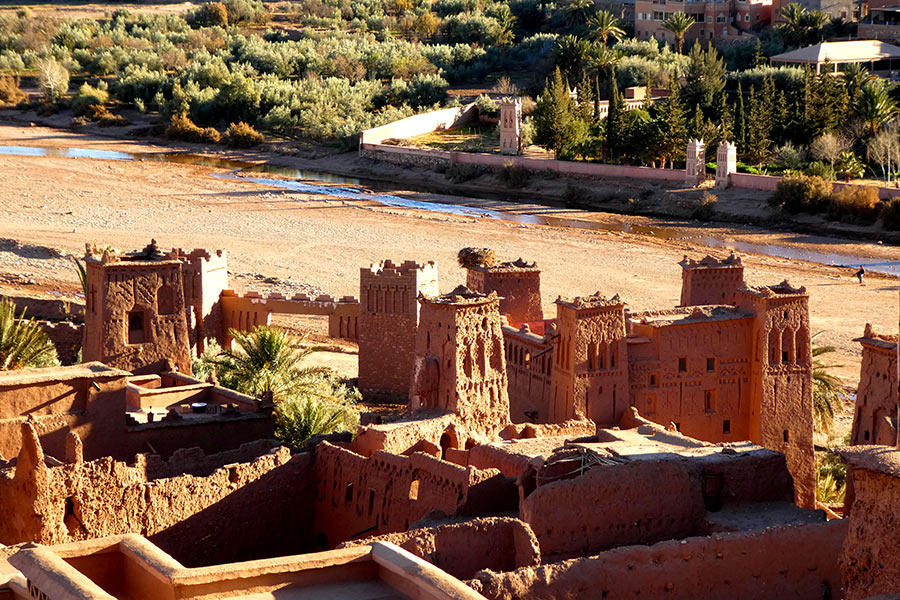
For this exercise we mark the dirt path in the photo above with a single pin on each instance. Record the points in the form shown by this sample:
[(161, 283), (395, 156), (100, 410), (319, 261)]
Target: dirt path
[(311, 243)]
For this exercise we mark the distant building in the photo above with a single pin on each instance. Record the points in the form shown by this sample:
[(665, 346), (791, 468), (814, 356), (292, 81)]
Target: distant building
[(878, 57), (715, 21), (844, 9)]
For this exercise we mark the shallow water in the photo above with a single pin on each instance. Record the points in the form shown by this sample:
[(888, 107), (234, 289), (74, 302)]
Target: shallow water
[(307, 182)]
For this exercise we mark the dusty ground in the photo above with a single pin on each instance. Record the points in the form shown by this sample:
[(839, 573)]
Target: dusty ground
[(290, 242)]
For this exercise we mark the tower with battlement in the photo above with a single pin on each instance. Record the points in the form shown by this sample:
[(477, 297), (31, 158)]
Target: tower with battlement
[(135, 316), (590, 371), (710, 280), (511, 126), (517, 283), (388, 319), (205, 276), (781, 410), (459, 361)]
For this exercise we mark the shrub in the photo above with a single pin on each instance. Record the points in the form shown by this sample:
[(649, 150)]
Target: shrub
[(486, 106), (801, 193), (858, 202), (111, 120), (576, 196), (211, 14), (182, 128), (242, 135), (53, 79), (464, 173), (706, 207), (890, 215), (10, 91), (820, 169), (299, 418), (470, 257), (88, 98), (513, 176)]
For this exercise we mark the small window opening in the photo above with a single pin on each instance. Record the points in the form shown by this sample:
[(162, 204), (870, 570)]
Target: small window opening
[(726, 426), (710, 364), (136, 328), (682, 365), (785, 435)]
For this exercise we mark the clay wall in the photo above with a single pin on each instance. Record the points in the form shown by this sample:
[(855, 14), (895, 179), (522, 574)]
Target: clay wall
[(389, 317), (205, 277), (135, 315), (798, 561), (463, 549), (870, 560), (212, 434), (590, 372), (385, 493), (529, 363), (460, 366), (199, 520), (781, 413), (875, 419), (519, 289), (710, 281), (694, 373)]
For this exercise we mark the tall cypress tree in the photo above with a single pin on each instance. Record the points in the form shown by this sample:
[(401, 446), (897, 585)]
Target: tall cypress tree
[(554, 121), (671, 128), (615, 125), (759, 127), (739, 128)]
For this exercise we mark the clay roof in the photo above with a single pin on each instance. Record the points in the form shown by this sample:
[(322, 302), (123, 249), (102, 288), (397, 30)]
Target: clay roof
[(518, 265), (710, 262), (91, 370), (462, 295), (769, 291), (878, 459), (595, 300), (870, 338), (840, 52), (688, 315)]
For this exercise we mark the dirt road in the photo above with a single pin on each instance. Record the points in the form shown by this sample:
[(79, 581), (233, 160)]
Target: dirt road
[(313, 243)]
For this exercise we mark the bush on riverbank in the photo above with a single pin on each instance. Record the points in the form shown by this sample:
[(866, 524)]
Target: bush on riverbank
[(813, 195)]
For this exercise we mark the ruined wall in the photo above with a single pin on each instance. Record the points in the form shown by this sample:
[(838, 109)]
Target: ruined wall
[(385, 493), (463, 549), (199, 520), (875, 419), (459, 365), (135, 315), (205, 276), (590, 373), (694, 372), (710, 281), (518, 284), (773, 564), (870, 561), (529, 361), (388, 319), (642, 501)]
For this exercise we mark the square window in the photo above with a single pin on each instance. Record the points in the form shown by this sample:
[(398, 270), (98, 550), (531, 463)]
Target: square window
[(682, 364), (710, 364)]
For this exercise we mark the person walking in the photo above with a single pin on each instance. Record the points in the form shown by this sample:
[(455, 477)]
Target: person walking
[(859, 274)]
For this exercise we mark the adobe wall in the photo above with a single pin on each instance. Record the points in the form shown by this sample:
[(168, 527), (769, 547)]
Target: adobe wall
[(389, 317), (213, 434), (385, 493), (205, 276), (460, 366), (709, 399), (870, 560), (642, 501), (710, 281), (875, 418), (462, 549), (518, 285), (419, 124), (590, 375), (199, 520), (528, 374), (794, 561)]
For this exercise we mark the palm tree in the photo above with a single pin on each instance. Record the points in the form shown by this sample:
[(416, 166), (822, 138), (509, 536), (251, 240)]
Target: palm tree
[(678, 23), (827, 388), (267, 361), (577, 12), (801, 27), (604, 25), (298, 419), (23, 343), (855, 77), (570, 55), (875, 107)]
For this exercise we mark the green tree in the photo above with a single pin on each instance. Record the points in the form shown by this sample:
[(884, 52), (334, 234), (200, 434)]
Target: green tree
[(671, 135), (740, 122), (704, 79), (678, 24), (571, 54), (759, 123), (875, 106), (759, 58), (604, 25), (855, 77), (299, 418), (801, 27), (23, 343), (615, 125), (601, 63), (827, 388), (577, 12), (556, 126)]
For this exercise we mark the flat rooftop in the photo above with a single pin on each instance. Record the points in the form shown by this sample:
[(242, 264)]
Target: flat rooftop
[(688, 315), (91, 370)]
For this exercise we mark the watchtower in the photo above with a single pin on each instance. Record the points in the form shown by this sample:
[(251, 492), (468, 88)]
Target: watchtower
[(710, 280), (135, 312), (590, 374), (388, 318), (511, 126), (726, 163), (517, 283), (459, 364), (695, 168), (205, 276)]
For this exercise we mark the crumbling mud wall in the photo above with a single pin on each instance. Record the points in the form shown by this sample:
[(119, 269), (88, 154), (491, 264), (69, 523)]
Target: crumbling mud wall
[(792, 561), (870, 561), (385, 493), (462, 549), (198, 519), (642, 502)]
